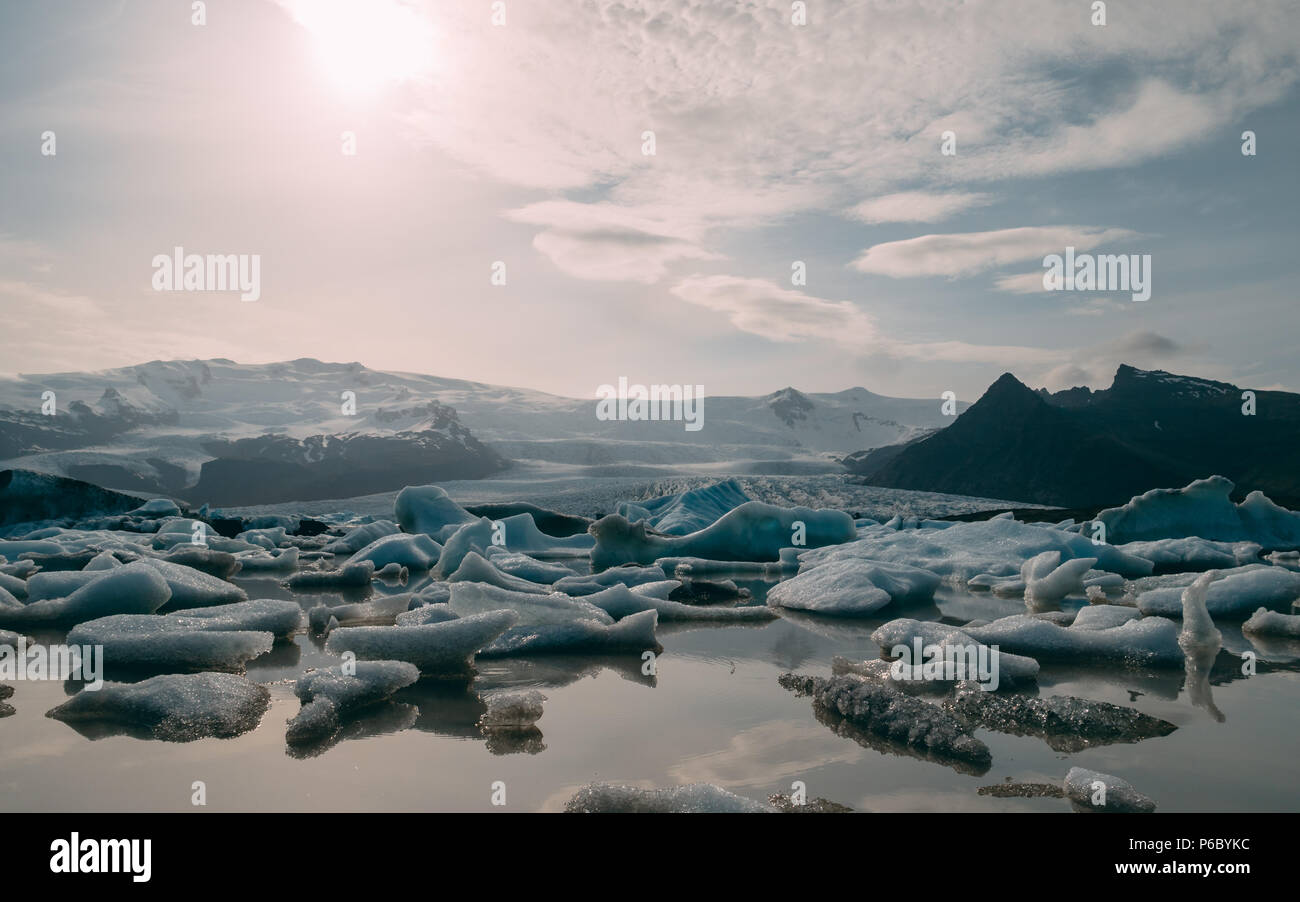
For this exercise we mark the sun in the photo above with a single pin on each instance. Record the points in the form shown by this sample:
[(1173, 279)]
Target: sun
[(367, 45)]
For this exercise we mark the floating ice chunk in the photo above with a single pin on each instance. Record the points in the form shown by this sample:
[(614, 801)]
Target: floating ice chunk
[(155, 508), (395, 572), (440, 649), (693, 798), (518, 564), (1103, 616), (316, 720), (357, 574), (429, 509), (1047, 578), (997, 548), (182, 530), (179, 642), (1112, 794), (371, 682), (269, 539), (432, 593), (279, 617), (686, 512), (620, 601), (1198, 627), (15, 587), (1012, 668), (67, 560), (133, 589), (626, 575), (694, 566), (470, 537), (635, 632), (1203, 508), (1066, 723), (59, 583), (661, 589), (416, 552), (11, 549), (282, 560), (20, 569), (1193, 554), (753, 531), (173, 707), (533, 609), (474, 568), (853, 587), (883, 710), (1233, 597), (429, 613), (516, 710), (361, 536), (193, 589), (1151, 641), (380, 609), (1263, 622), (217, 564)]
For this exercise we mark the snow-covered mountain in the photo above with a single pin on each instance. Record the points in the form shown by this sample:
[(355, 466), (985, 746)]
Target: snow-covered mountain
[(156, 425)]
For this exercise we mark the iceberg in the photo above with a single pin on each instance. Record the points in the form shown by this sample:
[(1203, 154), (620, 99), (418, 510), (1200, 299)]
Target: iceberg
[(635, 632), (1113, 794), (1103, 616), (177, 642), (1205, 510), (474, 568), (428, 509), (853, 587), (1013, 669), (516, 563), (437, 649), (217, 564), (885, 711), (685, 512), (357, 574), (283, 560), (193, 589), (754, 531), (1263, 623), (1149, 642), (512, 710), (1049, 579), (173, 707), (360, 536), (1193, 554), (1234, 597), (132, 589), (344, 693), (620, 601), (693, 798), (415, 552), (627, 575)]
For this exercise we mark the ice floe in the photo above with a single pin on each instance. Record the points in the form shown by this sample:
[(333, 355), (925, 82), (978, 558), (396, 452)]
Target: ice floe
[(694, 798), (853, 587), (1150, 642), (1270, 623), (344, 691), (172, 707), (133, 589), (1203, 509), (754, 531), (1096, 791), (1233, 597), (438, 649), (416, 552)]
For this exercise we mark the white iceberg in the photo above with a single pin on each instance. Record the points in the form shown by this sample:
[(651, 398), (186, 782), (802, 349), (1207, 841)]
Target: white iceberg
[(360, 536), (133, 589), (1151, 641), (428, 509), (620, 602), (194, 589), (474, 568), (355, 575), (173, 707), (754, 531), (438, 649), (1203, 509), (416, 552), (853, 587), (1270, 623), (1234, 597), (1102, 792)]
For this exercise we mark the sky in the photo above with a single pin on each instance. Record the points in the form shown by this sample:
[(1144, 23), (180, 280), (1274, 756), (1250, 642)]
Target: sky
[(515, 133)]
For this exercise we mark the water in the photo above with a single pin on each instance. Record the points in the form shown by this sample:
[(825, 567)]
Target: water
[(713, 713)]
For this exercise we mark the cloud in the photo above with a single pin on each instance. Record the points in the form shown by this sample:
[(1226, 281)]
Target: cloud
[(607, 242), (781, 314), (778, 314), (1095, 366), (964, 254), (916, 206)]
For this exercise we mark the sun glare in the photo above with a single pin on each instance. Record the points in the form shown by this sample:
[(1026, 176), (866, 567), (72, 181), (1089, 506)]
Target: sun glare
[(367, 45)]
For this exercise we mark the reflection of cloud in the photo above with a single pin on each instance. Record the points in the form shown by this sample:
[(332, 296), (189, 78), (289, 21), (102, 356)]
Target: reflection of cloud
[(966, 253), (776, 750)]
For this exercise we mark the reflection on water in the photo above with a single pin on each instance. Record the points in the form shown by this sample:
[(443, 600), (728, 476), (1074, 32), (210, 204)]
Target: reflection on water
[(711, 710)]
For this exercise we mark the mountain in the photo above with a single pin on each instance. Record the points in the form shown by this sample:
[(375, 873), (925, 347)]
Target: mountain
[(227, 433), (1080, 448)]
